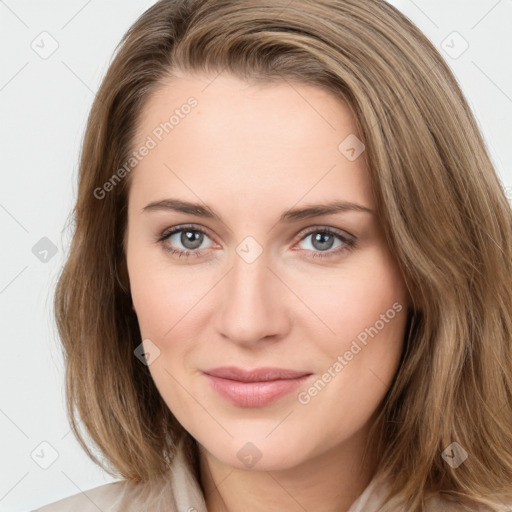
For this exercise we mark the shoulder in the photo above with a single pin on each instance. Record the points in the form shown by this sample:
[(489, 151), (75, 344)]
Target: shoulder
[(174, 491), (448, 505), (105, 497), (373, 497)]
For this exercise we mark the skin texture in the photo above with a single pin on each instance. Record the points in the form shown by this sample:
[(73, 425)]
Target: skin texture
[(250, 152)]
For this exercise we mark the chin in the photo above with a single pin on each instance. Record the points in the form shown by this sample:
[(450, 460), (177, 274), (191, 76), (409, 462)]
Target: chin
[(257, 453)]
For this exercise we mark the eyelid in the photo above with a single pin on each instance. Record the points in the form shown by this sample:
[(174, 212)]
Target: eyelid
[(183, 227), (328, 229)]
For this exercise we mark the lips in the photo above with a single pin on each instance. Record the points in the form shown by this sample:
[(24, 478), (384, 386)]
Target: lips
[(254, 388), (257, 375)]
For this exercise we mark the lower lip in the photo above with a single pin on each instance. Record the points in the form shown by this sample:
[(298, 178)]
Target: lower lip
[(254, 394)]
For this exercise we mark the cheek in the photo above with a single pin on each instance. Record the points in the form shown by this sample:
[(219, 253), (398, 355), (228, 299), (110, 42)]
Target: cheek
[(360, 360), (165, 297), (366, 312), (164, 301), (361, 298)]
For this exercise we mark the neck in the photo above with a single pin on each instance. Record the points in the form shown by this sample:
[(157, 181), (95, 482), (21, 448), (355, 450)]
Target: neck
[(329, 482)]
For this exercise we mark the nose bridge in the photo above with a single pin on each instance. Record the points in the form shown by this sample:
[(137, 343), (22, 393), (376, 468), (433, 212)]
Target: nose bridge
[(252, 306)]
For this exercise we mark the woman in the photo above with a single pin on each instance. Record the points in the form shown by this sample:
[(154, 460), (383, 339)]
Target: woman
[(289, 285)]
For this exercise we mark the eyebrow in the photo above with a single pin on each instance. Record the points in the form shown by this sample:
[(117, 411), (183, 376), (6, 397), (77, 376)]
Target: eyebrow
[(291, 215)]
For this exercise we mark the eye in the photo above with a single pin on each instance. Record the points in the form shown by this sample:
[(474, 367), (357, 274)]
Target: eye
[(191, 238), (323, 239)]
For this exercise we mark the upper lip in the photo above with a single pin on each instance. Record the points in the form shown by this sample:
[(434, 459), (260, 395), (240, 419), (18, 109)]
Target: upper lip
[(256, 375)]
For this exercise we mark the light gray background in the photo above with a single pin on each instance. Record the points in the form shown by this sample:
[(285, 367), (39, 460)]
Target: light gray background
[(44, 102)]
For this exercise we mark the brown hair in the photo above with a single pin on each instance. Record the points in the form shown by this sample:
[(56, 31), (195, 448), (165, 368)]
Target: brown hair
[(443, 210)]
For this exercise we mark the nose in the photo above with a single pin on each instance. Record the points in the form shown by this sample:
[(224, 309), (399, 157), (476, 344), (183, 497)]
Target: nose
[(252, 303)]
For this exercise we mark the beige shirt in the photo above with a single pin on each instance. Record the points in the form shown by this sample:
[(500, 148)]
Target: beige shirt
[(180, 492)]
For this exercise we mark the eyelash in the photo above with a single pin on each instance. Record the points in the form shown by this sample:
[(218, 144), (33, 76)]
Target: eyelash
[(349, 243)]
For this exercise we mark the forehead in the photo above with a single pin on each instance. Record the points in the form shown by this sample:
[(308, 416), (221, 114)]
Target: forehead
[(281, 140)]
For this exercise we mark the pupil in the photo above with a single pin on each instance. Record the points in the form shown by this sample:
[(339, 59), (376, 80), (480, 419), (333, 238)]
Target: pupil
[(321, 237), (193, 238)]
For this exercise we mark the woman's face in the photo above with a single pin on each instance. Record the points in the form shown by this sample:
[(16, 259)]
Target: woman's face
[(269, 280)]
